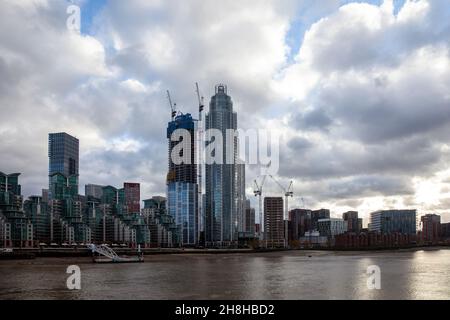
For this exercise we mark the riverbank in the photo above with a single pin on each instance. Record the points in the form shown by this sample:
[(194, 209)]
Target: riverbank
[(31, 253)]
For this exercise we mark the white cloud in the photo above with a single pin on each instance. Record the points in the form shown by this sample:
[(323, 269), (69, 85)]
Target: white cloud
[(365, 85)]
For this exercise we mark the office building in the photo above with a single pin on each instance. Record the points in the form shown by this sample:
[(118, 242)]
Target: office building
[(313, 239), (331, 227), (274, 222), (393, 221)]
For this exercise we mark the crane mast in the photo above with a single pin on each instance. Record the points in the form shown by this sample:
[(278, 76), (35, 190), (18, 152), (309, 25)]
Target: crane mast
[(200, 133), (258, 193)]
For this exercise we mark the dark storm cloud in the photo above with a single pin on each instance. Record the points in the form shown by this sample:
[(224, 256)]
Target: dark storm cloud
[(415, 156)]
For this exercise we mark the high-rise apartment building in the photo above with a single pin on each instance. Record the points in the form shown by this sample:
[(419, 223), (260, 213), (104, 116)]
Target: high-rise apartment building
[(299, 223), (224, 179), (63, 153), (93, 190), (17, 229), (445, 231), (431, 228), (354, 224), (182, 187), (132, 192), (274, 222), (240, 197), (249, 218), (316, 215)]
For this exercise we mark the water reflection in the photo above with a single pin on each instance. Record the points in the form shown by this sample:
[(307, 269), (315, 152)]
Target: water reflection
[(283, 275)]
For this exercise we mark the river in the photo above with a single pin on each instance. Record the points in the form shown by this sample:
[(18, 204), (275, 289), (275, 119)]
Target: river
[(278, 275)]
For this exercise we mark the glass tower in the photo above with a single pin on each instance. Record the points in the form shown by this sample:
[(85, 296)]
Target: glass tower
[(182, 187), (63, 153), (225, 197)]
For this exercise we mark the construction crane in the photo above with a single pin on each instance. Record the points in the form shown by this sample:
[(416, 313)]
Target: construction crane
[(258, 193), (288, 192), (172, 105), (201, 107)]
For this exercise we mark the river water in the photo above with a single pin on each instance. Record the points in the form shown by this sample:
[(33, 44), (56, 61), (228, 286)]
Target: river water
[(279, 275)]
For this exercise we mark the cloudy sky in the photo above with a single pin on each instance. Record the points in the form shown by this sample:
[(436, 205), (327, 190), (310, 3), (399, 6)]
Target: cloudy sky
[(360, 91)]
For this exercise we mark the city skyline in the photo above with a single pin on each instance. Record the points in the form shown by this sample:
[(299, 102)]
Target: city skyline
[(365, 129), (68, 167), (178, 173)]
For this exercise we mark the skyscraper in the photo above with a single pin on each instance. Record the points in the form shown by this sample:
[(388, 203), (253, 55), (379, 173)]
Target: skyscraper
[(249, 218), (182, 187), (63, 153), (225, 196)]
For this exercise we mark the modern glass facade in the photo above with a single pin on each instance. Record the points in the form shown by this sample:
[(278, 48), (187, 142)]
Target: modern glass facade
[(393, 221), (182, 187), (63, 153), (17, 229), (63, 187), (182, 205), (331, 227), (93, 190), (225, 199)]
